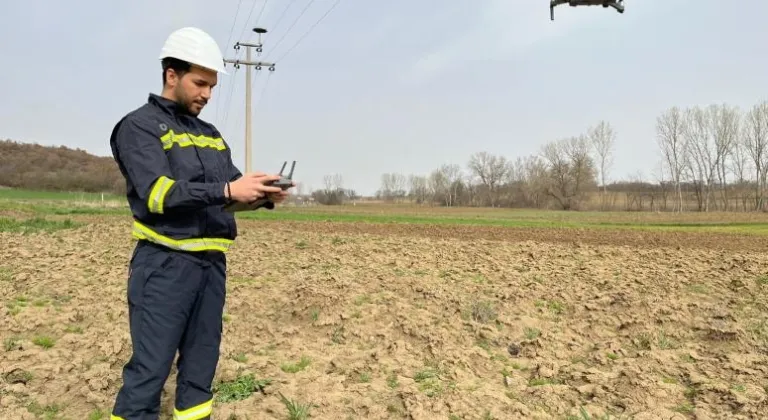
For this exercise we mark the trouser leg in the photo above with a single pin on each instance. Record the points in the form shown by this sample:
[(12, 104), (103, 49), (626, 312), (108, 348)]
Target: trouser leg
[(161, 290), (199, 348)]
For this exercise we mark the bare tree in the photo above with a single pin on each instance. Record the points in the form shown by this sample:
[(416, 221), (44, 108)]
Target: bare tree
[(670, 128), (535, 180), (470, 193), (571, 170), (452, 175), (526, 181), (603, 138), (333, 192), (739, 165), (385, 190), (418, 188), (491, 170), (338, 181), (724, 130), (399, 183), (328, 183), (704, 152), (392, 186), (438, 185), (755, 138)]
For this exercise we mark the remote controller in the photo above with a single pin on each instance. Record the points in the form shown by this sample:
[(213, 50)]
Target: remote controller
[(284, 182)]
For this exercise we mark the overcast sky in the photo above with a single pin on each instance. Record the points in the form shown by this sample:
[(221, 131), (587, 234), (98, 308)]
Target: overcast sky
[(418, 83)]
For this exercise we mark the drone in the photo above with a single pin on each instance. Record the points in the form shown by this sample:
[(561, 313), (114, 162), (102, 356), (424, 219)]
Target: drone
[(616, 4)]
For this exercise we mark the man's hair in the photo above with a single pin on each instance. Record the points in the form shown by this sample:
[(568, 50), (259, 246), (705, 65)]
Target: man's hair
[(179, 66)]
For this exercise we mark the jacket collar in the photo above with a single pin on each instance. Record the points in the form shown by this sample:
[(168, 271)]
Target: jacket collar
[(167, 105)]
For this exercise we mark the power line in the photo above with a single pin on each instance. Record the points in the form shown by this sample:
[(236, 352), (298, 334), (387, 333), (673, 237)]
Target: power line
[(309, 30), (245, 26), (294, 23), (229, 98), (263, 90), (248, 85), (232, 29), (237, 50), (282, 15), (261, 95), (261, 12), (229, 38)]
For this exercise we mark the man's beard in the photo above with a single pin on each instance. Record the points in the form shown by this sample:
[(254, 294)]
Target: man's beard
[(186, 103)]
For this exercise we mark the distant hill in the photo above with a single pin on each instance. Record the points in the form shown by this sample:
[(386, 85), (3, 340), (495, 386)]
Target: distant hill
[(57, 168)]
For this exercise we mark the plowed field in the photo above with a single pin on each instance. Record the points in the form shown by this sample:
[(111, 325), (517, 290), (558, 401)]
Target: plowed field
[(370, 321)]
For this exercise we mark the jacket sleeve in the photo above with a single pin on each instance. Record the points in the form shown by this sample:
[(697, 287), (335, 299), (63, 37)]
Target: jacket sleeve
[(232, 173), (141, 154)]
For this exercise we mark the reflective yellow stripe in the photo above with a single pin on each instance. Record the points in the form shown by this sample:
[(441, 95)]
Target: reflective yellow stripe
[(195, 413), (141, 231), (157, 195), (114, 417), (186, 140)]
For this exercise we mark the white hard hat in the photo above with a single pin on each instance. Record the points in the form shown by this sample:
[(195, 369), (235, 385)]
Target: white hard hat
[(194, 46)]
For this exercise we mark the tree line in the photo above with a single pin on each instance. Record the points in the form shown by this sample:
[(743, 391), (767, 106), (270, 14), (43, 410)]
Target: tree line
[(37, 167), (712, 158), (60, 168)]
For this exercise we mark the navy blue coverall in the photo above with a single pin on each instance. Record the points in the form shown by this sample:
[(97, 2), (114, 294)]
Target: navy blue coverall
[(176, 167)]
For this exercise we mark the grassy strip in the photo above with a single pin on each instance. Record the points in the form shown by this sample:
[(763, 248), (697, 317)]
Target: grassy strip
[(35, 224), (510, 219), (740, 228), (15, 194)]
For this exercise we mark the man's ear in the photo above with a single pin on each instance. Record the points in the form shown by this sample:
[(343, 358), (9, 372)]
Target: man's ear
[(171, 78)]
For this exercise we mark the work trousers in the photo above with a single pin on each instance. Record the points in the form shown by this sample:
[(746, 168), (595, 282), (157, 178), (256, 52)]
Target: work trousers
[(175, 302)]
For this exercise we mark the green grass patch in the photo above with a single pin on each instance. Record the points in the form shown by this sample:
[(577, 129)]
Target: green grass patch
[(240, 388), (98, 414), (296, 367), (74, 203), (21, 194), (63, 208), (6, 274), (35, 224), (296, 410), (46, 412), (44, 341), (512, 220)]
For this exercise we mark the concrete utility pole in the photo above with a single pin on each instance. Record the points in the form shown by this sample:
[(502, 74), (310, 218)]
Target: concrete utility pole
[(248, 63)]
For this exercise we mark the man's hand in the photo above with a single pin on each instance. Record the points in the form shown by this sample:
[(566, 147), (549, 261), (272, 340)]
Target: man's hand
[(250, 187), (280, 196)]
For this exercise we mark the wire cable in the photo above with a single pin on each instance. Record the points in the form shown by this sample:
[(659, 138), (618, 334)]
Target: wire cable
[(232, 29), (293, 24), (258, 101), (311, 28), (261, 12), (245, 26), (280, 19), (229, 39), (237, 52), (229, 98), (263, 90)]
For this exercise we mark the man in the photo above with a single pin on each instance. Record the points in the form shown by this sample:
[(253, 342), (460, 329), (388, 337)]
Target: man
[(179, 174)]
